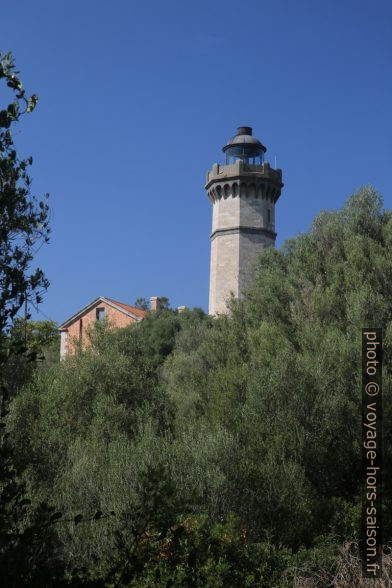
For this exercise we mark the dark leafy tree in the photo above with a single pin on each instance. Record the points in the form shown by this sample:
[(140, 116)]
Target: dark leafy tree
[(24, 217), (28, 556), (142, 303), (35, 345)]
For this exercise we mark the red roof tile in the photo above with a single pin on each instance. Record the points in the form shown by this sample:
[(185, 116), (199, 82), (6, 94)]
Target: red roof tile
[(132, 309)]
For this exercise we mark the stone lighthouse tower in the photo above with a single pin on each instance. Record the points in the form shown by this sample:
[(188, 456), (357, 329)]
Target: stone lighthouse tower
[(243, 193)]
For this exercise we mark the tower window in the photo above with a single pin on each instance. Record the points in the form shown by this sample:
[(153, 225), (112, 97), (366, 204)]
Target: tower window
[(269, 216), (100, 314), (80, 329)]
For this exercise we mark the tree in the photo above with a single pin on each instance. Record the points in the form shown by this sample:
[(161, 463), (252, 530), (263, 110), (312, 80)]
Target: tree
[(24, 218), (256, 413), (142, 303), (27, 552), (164, 302), (34, 345)]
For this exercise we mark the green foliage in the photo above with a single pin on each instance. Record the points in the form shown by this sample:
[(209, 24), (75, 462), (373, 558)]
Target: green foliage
[(164, 302), (177, 422), (142, 303), (28, 346), (29, 550), (193, 552), (24, 218)]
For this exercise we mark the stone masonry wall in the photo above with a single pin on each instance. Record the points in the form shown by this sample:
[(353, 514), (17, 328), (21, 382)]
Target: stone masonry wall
[(243, 224)]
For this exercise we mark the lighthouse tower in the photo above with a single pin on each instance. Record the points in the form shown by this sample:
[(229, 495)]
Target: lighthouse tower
[(243, 193)]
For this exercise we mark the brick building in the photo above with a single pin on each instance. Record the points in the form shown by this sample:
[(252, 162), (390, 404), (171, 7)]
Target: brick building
[(117, 314)]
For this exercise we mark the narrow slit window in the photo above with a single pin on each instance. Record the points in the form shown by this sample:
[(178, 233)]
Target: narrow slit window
[(269, 216)]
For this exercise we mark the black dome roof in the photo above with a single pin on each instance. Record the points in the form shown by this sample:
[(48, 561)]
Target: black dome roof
[(244, 136)]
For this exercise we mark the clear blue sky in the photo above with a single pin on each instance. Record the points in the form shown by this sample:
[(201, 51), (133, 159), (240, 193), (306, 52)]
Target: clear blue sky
[(137, 99)]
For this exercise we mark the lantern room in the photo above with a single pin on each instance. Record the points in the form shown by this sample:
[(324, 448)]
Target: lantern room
[(244, 147)]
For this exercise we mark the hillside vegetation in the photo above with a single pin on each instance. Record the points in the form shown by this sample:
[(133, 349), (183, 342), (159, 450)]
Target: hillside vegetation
[(196, 451)]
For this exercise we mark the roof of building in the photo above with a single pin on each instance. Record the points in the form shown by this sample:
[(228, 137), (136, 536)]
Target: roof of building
[(132, 309), (244, 136), (136, 313), (244, 139)]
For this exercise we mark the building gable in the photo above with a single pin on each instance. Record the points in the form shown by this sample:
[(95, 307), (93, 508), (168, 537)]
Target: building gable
[(75, 329)]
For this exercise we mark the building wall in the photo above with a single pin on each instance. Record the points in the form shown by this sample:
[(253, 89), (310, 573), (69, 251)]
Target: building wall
[(243, 224), (224, 271), (114, 317), (233, 260), (250, 247)]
